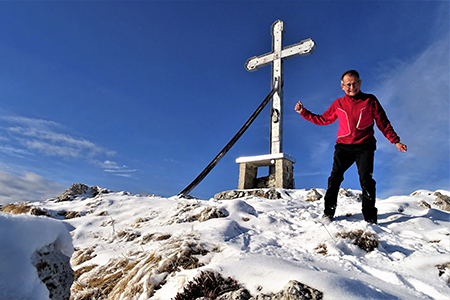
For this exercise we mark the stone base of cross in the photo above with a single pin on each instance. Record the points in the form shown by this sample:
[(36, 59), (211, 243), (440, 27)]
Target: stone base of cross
[(280, 165), (282, 177)]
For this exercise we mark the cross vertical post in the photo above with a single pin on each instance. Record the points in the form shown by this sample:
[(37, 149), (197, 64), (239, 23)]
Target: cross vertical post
[(280, 164), (276, 128)]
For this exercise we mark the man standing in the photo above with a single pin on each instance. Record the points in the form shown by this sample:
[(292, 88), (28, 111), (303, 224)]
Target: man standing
[(356, 112)]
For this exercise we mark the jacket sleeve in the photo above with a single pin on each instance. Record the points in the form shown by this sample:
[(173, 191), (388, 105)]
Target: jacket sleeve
[(383, 123), (326, 118)]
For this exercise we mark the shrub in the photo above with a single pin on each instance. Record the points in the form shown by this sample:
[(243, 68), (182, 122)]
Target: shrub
[(208, 285), (321, 249), (363, 239)]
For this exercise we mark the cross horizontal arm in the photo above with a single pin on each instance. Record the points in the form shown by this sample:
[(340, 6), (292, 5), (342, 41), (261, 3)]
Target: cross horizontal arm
[(256, 62), (303, 48)]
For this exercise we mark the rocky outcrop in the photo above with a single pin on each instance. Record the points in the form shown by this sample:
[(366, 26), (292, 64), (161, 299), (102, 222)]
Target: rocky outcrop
[(209, 285), (241, 294), (234, 194), (343, 192), (442, 201), (79, 189), (313, 195), (54, 270), (294, 290), (210, 213), (424, 204), (444, 272)]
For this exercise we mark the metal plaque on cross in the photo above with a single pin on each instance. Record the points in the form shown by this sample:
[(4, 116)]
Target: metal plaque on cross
[(303, 48)]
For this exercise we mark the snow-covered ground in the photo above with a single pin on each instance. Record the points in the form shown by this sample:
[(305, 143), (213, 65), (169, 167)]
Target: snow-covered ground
[(259, 242), (20, 237)]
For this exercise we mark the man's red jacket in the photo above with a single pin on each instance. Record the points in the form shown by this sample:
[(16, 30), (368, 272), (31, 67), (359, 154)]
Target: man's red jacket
[(356, 119)]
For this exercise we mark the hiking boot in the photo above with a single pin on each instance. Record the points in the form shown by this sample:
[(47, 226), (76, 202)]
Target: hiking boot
[(371, 221), (327, 218)]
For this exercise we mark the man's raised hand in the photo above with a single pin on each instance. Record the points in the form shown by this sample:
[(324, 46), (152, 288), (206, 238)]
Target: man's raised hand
[(299, 107)]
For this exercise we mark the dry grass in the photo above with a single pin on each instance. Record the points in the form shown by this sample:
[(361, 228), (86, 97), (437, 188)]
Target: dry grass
[(137, 274), (184, 213), (22, 208), (77, 273), (321, 249), (208, 213), (81, 256), (208, 285), (70, 214), (128, 235), (155, 237)]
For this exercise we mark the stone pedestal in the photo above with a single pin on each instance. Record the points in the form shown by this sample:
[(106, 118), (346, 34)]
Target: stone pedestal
[(282, 177)]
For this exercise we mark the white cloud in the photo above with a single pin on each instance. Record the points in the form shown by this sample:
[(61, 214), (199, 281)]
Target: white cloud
[(37, 136), (8, 149), (48, 141), (41, 139), (416, 97), (30, 122), (114, 168), (29, 187)]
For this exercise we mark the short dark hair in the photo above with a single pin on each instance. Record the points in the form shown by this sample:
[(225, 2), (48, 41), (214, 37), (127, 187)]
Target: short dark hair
[(350, 73)]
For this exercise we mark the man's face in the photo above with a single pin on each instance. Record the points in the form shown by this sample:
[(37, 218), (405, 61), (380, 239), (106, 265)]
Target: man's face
[(351, 85)]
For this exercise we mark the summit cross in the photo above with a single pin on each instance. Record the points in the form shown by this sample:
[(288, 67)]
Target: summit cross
[(303, 48)]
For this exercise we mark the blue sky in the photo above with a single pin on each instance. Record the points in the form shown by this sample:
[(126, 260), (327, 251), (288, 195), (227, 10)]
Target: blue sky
[(141, 95)]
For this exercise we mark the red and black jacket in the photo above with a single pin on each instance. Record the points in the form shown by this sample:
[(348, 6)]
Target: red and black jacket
[(356, 119)]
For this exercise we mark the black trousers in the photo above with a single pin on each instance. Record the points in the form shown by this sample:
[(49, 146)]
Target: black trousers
[(344, 157)]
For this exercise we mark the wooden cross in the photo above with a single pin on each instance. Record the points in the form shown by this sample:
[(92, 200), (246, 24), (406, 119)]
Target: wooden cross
[(275, 58)]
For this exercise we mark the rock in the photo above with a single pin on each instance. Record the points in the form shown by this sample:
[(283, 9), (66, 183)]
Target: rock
[(210, 285), (234, 194), (302, 291), (442, 201), (313, 195), (294, 290), (444, 272), (424, 204), (345, 193), (79, 189), (226, 195), (53, 268), (210, 213), (272, 194), (241, 294)]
